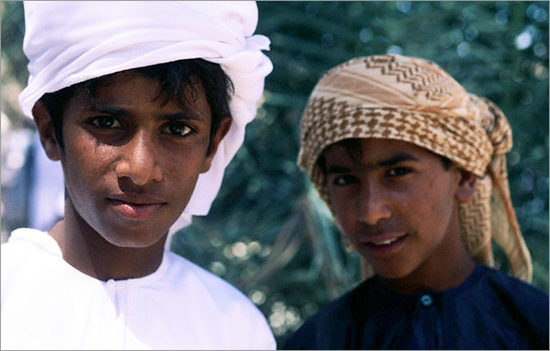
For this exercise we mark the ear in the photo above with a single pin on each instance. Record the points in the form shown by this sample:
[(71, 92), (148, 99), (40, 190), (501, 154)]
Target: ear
[(215, 142), (466, 185), (46, 131)]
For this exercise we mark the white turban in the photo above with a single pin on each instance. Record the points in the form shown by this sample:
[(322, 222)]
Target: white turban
[(68, 42)]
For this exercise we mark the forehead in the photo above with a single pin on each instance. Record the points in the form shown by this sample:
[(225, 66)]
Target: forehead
[(373, 150), (134, 88), (127, 83)]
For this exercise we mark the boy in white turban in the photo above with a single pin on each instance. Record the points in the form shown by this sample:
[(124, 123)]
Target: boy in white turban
[(413, 169), (144, 104)]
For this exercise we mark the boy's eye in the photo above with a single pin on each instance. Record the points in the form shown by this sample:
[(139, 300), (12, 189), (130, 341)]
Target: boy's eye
[(344, 180), (399, 171), (177, 129), (105, 122)]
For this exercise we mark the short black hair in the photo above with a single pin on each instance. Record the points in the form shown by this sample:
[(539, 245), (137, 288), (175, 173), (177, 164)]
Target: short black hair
[(174, 77), (355, 152)]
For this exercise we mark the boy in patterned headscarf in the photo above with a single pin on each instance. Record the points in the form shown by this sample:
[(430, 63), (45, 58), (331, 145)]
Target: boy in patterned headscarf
[(144, 104), (413, 169)]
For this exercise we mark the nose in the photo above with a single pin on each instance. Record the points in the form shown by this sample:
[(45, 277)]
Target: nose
[(139, 160), (373, 206)]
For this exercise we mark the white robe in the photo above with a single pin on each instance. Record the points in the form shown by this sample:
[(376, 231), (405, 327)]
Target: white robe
[(48, 304)]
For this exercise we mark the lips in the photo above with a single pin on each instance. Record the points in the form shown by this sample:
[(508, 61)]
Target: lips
[(136, 207), (384, 244)]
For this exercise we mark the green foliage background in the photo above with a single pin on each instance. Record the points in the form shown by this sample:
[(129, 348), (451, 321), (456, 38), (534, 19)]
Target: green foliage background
[(267, 232)]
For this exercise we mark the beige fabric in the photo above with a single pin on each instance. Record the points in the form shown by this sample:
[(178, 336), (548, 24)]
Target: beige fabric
[(413, 100)]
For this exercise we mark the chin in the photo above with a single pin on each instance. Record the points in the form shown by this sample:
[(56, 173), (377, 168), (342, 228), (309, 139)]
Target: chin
[(391, 275), (133, 239), (391, 272)]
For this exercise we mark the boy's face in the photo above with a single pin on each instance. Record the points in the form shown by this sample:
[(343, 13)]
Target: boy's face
[(130, 162), (397, 204)]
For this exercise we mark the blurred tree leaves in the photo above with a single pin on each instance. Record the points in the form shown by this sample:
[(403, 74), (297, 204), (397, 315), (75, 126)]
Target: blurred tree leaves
[(268, 233), (13, 66)]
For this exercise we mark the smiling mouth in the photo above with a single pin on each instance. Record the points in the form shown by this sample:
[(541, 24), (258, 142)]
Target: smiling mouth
[(383, 243), (385, 246)]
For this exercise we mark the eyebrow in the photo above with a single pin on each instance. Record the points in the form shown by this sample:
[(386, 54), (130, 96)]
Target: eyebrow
[(393, 160), (109, 110), (178, 116), (117, 111)]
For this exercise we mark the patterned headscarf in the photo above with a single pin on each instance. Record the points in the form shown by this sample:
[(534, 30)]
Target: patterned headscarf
[(413, 100)]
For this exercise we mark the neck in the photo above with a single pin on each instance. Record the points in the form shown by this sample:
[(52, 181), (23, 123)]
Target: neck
[(86, 250), (434, 277)]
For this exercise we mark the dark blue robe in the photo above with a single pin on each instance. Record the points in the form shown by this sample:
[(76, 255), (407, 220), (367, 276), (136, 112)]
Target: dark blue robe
[(490, 310)]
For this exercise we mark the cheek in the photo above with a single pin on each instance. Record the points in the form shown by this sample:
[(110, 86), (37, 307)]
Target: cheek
[(433, 209), (427, 198), (87, 164), (82, 179), (181, 176), (344, 214)]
